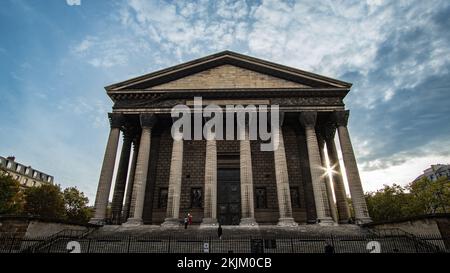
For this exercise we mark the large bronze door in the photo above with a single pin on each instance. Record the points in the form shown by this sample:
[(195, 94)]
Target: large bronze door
[(229, 196)]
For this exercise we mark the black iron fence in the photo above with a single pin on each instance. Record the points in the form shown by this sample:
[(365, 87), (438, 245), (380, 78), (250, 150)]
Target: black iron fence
[(67, 243)]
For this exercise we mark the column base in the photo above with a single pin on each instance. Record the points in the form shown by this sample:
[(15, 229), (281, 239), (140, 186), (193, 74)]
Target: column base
[(171, 223), (344, 221), (362, 221), (326, 222), (209, 223), (248, 222), (287, 222), (133, 222), (97, 221)]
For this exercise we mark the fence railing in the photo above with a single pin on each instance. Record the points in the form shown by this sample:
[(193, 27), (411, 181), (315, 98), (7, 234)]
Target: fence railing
[(149, 244), (397, 232)]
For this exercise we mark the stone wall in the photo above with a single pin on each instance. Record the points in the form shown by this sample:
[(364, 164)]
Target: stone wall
[(45, 229), (32, 227), (427, 225)]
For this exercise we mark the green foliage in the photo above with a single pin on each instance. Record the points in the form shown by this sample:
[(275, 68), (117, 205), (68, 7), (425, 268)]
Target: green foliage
[(76, 205), (45, 201), (11, 198), (418, 198), (431, 196)]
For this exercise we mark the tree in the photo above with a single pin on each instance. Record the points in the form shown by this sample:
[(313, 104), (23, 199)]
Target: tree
[(76, 205), (391, 202), (417, 198), (11, 198), (45, 201), (431, 196)]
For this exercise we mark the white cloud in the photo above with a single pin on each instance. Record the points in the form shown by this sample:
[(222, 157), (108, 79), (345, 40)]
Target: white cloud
[(84, 45), (330, 38), (401, 174), (73, 2)]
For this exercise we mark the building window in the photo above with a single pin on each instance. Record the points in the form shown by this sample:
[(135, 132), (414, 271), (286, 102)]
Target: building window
[(295, 197), (261, 198), (9, 165), (196, 197), (27, 171), (18, 168), (25, 181), (162, 200)]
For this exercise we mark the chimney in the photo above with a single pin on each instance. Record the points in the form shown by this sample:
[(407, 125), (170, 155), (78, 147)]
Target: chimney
[(12, 158)]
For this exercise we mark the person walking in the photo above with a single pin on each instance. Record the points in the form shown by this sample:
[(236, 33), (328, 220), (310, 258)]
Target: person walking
[(219, 231), (329, 248), (186, 222), (190, 218)]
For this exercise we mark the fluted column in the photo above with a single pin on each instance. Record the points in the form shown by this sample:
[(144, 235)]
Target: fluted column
[(351, 169), (210, 204), (326, 179), (308, 120), (175, 177), (129, 193), (121, 178), (140, 177), (338, 181), (246, 172), (282, 178), (106, 173)]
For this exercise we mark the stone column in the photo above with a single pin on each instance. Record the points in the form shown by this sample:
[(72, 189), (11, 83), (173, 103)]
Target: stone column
[(140, 177), (282, 178), (351, 168), (175, 177), (210, 204), (338, 181), (129, 193), (326, 179), (308, 120), (106, 173), (246, 172), (121, 178)]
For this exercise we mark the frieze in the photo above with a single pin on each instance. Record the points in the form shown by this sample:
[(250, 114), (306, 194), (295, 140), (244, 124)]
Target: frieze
[(284, 101), (300, 101)]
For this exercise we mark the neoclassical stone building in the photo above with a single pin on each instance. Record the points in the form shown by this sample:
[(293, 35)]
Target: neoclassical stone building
[(159, 180)]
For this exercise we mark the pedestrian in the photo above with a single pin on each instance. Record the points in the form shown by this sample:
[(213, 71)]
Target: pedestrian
[(219, 231), (329, 248), (190, 218), (185, 222)]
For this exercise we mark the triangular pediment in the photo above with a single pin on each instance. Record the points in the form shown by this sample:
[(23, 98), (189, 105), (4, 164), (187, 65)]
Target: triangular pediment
[(228, 76), (228, 70)]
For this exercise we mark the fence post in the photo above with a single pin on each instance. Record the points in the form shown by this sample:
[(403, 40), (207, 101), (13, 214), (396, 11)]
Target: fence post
[(50, 247), (12, 243), (89, 246), (129, 243), (332, 243), (292, 245), (168, 245), (209, 246)]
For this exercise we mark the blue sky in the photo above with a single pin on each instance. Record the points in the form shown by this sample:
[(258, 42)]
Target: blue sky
[(57, 55)]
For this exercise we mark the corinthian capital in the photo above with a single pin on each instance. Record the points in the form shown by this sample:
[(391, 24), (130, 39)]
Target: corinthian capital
[(341, 117), (116, 120), (329, 130), (148, 120), (308, 119)]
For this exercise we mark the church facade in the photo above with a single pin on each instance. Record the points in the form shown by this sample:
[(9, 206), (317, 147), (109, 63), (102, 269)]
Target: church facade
[(159, 179)]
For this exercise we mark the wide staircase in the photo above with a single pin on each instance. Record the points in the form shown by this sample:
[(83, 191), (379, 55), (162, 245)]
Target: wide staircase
[(264, 239)]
